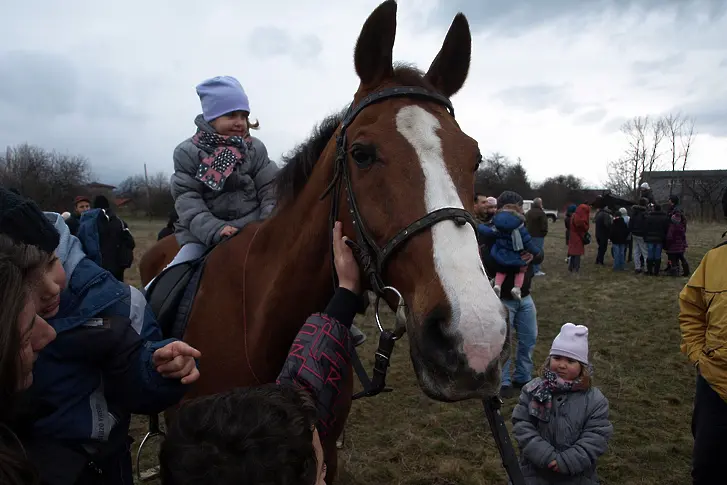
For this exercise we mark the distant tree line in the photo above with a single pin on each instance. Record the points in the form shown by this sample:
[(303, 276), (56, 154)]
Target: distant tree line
[(51, 179), (498, 173)]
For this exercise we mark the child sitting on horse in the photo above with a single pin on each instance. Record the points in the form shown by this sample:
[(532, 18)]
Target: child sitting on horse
[(561, 421), (276, 438), (107, 361), (222, 177), (512, 240)]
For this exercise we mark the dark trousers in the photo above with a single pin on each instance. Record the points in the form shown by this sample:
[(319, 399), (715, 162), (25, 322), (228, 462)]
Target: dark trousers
[(674, 260), (709, 428), (602, 247)]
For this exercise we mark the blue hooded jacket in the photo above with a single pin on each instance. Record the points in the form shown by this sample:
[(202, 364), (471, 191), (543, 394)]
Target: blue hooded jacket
[(99, 369), (511, 238)]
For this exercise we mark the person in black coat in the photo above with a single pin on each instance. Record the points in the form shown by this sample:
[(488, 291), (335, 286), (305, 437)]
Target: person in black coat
[(168, 230), (619, 236), (603, 232), (655, 227)]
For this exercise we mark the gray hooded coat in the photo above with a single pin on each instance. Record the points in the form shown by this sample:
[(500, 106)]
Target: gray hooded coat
[(576, 434), (246, 196)]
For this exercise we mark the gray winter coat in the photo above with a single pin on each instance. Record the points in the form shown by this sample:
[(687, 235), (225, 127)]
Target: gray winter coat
[(247, 194), (575, 436)]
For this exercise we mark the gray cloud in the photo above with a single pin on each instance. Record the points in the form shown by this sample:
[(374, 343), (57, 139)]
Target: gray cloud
[(660, 65), (710, 115), (591, 116), (272, 41), (537, 97), (46, 100), (507, 17), (723, 63), (613, 125)]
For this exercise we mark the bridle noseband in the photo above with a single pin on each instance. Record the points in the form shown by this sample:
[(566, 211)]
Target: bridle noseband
[(373, 258)]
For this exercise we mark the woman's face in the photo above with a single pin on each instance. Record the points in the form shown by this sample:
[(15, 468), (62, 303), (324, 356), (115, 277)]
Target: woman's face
[(231, 124), (48, 289), (567, 369), (35, 334)]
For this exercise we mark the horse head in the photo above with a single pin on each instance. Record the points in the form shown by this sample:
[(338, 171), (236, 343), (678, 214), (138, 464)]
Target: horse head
[(407, 158)]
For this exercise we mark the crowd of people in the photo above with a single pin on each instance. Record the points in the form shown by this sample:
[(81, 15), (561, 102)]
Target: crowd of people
[(80, 350)]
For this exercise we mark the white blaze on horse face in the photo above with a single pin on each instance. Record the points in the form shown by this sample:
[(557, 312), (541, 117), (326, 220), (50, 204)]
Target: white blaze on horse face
[(477, 313)]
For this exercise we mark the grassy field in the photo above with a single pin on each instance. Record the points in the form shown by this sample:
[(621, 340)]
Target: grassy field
[(405, 438)]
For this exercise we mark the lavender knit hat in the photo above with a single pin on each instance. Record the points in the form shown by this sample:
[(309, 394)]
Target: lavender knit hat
[(221, 95), (571, 342)]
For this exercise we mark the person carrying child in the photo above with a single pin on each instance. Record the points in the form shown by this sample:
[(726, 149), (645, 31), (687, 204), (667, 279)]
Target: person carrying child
[(512, 239), (561, 421)]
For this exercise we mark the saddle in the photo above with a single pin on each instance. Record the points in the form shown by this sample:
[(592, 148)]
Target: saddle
[(172, 293)]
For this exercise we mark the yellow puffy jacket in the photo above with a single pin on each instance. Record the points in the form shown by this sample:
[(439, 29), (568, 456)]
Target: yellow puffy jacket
[(703, 319)]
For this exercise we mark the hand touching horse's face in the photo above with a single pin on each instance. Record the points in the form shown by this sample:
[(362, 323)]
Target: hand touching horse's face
[(412, 159)]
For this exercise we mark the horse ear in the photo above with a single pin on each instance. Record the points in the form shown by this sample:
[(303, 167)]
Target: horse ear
[(449, 69), (373, 56)]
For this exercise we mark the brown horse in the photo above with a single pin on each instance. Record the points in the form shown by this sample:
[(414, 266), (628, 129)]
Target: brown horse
[(157, 258), (402, 169)]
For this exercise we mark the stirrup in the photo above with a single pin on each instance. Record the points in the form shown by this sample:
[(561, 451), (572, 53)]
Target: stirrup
[(153, 432)]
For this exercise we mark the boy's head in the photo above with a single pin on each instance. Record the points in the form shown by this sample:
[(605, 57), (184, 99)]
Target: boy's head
[(82, 204), (264, 434)]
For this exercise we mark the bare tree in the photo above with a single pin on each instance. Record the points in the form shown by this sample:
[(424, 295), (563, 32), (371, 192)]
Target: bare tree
[(708, 193), (680, 136), (687, 138), (51, 179)]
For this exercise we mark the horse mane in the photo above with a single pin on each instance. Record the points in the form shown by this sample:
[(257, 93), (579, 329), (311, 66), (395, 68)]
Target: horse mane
[(299, 162)]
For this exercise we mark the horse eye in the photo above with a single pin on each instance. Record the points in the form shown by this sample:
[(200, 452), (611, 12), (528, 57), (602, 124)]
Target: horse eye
[(363, 155)]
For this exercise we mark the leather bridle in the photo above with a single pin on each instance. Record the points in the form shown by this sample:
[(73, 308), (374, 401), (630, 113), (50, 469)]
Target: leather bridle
[(370, 255)]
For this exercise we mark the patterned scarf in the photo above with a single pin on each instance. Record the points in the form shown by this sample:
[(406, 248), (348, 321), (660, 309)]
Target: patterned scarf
[(541, 403), (225, 153)]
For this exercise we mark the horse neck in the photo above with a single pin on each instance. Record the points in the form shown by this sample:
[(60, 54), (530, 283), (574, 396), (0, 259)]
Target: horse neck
[(296, 241)]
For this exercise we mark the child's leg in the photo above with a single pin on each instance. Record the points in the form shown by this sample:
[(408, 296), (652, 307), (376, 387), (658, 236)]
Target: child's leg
[(520, 277), (188, 252), (499, 279)]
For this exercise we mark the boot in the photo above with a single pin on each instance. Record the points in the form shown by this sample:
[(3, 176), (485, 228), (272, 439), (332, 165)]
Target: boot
[(685, 268), (649, 267), (657, 267)]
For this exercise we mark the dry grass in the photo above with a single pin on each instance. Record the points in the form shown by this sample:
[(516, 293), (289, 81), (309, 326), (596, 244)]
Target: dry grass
[(405, 438)]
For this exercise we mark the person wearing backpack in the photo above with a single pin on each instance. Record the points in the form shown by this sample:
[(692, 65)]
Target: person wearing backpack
[(106, 238)]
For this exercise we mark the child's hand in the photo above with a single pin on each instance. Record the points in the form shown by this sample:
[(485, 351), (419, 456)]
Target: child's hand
[(349, 274), (228, 231), (553, 465), (176, 361), (527, 257)]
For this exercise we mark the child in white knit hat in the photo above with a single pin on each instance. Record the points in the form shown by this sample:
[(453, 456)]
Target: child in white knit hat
[(561, 422)]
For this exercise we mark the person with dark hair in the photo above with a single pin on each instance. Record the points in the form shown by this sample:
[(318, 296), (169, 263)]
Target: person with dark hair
[(107, 362), (168, 230), (637, 226), (603, 232), (703, 324), (23, 334), (522, 312), (81, 204), (106, 238), (271, 434), (655, 228)]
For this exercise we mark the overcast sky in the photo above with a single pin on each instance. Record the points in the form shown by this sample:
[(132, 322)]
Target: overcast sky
[(550, 82)]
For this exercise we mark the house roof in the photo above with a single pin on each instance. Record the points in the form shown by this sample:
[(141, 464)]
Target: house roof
[(99, 185), (683, 174), (122, 201)]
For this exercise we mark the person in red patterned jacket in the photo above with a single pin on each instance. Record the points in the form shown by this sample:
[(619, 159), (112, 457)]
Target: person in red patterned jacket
[(271, 434)]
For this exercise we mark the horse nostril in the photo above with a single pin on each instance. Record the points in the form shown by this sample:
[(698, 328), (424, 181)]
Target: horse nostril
[(435, 337)]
